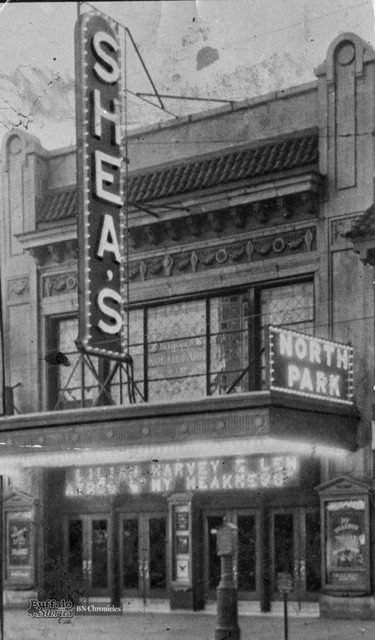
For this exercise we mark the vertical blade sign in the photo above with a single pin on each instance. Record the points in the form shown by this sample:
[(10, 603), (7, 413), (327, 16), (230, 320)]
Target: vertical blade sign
[(100, 184)]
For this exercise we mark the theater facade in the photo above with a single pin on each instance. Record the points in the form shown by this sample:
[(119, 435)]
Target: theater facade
[(249, 389)]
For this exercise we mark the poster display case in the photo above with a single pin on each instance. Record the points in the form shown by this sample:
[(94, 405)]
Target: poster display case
[(345, 537), (181, 545), (181, 549), (19, 531), (19, 541)]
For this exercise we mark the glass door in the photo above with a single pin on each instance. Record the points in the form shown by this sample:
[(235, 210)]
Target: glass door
[(212, 561), (143, 539), (131, 566), (285, 551), (246, 557), (87, 552), (155, 536), (98, 555), (295, 549), (310, 526)]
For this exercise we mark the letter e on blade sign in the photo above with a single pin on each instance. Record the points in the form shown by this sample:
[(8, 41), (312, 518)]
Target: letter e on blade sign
[(100, 120)]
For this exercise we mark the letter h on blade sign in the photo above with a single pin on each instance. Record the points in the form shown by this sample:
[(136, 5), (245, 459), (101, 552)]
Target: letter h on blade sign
[(100, 115)]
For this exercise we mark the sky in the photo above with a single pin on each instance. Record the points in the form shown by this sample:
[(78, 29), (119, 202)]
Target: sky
[(222, 49)]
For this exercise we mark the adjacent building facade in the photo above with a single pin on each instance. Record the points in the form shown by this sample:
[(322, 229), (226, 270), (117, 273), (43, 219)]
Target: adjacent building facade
[(240, 218)]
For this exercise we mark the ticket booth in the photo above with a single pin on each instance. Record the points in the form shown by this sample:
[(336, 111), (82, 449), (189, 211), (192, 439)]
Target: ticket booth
[(345, 535)]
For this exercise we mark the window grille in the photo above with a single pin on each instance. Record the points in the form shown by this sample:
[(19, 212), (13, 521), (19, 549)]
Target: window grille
[(185, 350)]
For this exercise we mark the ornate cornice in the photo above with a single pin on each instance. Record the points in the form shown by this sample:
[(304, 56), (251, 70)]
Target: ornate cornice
[(200, 258), (55, 252), (252, 249), (229, 221)]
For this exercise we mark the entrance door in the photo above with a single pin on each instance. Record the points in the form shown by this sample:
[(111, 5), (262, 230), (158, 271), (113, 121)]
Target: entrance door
[(295, 548), (143, 539), (247, 554), (212, 561), (87, 552)]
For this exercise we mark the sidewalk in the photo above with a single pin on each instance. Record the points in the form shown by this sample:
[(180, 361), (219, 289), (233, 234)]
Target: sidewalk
[(180, 626)]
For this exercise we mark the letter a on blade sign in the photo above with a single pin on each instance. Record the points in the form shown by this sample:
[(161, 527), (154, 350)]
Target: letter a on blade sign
[(100, 115)]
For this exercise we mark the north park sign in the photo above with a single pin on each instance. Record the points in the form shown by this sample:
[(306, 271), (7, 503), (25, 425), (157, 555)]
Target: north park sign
[(311, 367), (100, 113)]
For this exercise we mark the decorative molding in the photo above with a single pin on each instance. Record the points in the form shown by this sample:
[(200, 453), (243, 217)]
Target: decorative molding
[(55, 252), (18, 290), (262, 212), (232, 220), (228, 254), (18, 500), (153, 430), (309, 202), (194, 261), (206, 257), (153, 233), (216, 221), (182, 262), (194, 225), (238, 216), (143, 269), (58, 284), (133, 270), (309, 237), (173, 229), (37, 254), (249, 250), (283, 208)]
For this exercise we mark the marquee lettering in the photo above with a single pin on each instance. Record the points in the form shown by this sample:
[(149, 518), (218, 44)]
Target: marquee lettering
[(218, 474)]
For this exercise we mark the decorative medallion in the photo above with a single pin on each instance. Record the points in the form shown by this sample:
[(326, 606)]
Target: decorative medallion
[(221, 255), (278, 245)]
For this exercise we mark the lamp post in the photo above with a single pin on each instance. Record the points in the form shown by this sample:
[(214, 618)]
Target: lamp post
[(227, 608), (284, 585)]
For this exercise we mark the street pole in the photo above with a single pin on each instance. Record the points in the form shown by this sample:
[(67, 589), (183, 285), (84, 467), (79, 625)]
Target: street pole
[(226, 593), (1, 562), (227, 607), (285, 616), (284, 585)]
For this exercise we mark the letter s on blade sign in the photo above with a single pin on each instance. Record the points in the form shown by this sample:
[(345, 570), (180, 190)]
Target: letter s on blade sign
[(109, 72), (109, 311)]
